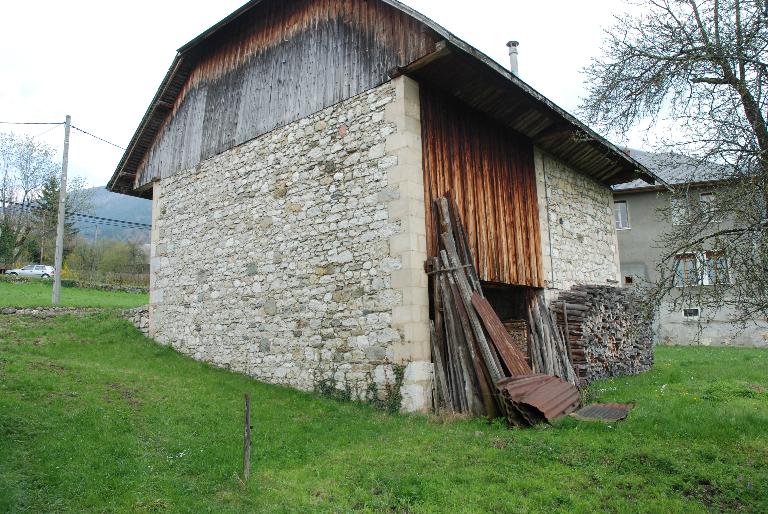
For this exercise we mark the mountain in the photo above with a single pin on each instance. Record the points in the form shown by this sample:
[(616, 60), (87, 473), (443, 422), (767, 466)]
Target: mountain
[(117, 207)]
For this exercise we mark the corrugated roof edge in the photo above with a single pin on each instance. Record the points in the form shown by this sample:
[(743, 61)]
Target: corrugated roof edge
[(449, 36)]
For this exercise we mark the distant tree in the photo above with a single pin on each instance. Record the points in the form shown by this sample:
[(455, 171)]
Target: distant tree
[(25, 164), (46, 212), (109, 260), (699, 70)]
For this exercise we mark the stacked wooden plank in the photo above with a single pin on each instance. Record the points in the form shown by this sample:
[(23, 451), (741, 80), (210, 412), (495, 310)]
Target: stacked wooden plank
[(548, 349), (476, 360), (607, 332), (468, 363)]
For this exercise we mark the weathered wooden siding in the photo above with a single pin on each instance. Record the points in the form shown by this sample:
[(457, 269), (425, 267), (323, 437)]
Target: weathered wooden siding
[(489, 171), (280, 62)]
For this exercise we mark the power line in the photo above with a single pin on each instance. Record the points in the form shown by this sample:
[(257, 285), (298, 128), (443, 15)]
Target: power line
[(48, 130), (86, 218), (97, 137), (31, 122)]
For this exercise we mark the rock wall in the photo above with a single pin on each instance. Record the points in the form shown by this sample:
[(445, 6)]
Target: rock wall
[(139, 317), (47, 312), (579, 244), (276, 258)]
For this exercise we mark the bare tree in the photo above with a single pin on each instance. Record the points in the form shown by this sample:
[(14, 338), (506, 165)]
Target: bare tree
[(26, 164), (699, 69)]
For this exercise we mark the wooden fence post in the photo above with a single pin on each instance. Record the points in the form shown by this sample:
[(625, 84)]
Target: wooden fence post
[(247, 439)]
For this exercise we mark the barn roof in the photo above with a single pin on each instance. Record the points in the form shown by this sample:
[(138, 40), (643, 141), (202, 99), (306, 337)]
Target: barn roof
[(455, 67)]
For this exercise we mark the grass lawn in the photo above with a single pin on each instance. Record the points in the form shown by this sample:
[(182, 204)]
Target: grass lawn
[(95, 418), (38, 294)]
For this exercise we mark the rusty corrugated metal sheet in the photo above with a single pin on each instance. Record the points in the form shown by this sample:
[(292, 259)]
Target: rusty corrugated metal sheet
[(489, 171), (604, 412), (538, 397)]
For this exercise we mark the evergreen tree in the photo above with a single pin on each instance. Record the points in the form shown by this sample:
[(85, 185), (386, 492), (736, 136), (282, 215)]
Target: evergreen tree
[(43, 245)]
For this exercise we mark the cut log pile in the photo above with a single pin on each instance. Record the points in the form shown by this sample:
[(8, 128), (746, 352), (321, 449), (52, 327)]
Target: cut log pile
[(518, 331), (478, 366), (607, 334)]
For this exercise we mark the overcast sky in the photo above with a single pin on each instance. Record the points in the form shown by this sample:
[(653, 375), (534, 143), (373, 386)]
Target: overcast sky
[(101, 62)]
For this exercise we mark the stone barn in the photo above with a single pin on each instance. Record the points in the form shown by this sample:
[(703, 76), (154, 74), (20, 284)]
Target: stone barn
[(292, 154)]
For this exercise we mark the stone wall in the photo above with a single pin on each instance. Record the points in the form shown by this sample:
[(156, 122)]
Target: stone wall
[(139, 317), (293, 257), (579, 244)]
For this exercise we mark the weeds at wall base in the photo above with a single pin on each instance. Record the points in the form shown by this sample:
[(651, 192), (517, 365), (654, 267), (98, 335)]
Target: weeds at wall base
[(390, 401)]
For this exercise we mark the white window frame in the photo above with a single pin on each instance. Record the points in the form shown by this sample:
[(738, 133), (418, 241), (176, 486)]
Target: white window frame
[(705, 206), (697, 317), (703, 272), (679, 210), (617, 216)]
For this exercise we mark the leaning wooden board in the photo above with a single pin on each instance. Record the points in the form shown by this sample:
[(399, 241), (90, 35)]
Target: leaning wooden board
[(513, 359)]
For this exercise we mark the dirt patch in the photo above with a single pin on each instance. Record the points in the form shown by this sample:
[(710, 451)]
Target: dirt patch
[(704, 491), (62, 394), (47, 366), (499, 443), (126, 394)]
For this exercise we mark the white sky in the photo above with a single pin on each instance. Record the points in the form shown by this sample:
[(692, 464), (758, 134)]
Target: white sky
[(101, 62)]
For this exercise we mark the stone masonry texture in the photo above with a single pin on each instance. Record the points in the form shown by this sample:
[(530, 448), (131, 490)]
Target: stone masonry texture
[(273, 259), (579, 243)]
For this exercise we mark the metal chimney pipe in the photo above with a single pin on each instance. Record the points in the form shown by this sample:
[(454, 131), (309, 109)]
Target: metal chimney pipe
[(513, 56)]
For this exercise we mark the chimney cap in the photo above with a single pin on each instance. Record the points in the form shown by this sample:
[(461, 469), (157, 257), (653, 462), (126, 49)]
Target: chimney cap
[(513, 44)]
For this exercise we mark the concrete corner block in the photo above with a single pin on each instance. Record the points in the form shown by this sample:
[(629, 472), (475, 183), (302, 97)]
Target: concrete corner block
[(404, 314), (411, 351), (417, 387), (411, 315)]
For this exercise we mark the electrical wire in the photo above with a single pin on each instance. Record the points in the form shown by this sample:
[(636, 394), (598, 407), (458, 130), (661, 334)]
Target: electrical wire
[(86, 218), (48, 130), (97, 137), (31, 122)]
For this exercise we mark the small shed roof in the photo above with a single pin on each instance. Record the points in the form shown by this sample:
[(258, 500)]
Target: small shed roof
[(455, 67)]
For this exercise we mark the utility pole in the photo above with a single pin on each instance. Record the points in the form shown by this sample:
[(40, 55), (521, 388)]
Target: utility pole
[(62, 213)]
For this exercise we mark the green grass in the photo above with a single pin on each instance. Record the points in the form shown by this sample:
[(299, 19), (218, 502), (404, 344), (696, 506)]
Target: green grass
[(38, 294), (95, 418)]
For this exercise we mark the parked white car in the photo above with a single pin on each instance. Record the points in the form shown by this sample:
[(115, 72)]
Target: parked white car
[(32, 270)]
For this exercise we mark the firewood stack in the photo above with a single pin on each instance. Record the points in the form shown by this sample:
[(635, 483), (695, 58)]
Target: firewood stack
[(518, 331), (607, 334)]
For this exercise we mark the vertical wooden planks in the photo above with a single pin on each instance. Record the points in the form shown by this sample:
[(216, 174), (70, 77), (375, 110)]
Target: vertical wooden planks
[(489, 170), (278, 63)]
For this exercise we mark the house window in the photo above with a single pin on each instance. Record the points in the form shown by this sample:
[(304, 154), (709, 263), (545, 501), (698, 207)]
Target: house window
[(701, 269), (686, 270), (621, 215), (717, 268), (629, 280), (679, 211), (691, 313), (708, 208)]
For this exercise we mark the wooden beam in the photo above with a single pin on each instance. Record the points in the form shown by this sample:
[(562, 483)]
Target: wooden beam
[(441, 50)]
